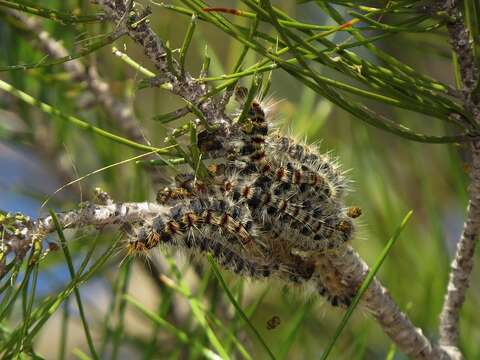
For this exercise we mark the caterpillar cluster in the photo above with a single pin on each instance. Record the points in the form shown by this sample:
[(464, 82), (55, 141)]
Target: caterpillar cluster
[(270, 207)]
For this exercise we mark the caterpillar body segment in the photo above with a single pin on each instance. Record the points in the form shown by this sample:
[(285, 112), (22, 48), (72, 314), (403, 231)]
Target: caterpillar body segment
[(238, 264), (334, 300), (330, 284), (290, 175), (319, 236), (169, 195), (250, 147), (198, 228), (256, 129), (320, 228), (186, 186), (311, 162)]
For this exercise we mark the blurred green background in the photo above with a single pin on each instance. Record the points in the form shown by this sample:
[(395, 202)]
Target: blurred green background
[(390, 176)]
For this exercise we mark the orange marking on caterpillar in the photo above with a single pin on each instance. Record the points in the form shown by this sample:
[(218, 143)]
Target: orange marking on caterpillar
[(153, 239), (173, 227), (135, 248), (191, 219), (227, 186), (247, 192), (167, 194), (281, 174), (243, 234), (297, 175)]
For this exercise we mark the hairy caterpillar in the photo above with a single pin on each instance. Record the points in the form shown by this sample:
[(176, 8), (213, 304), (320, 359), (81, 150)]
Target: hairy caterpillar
[(311, 161)]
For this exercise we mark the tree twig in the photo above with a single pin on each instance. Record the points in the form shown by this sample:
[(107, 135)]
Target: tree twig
[(182, 83), (352, 271), (463, 262)]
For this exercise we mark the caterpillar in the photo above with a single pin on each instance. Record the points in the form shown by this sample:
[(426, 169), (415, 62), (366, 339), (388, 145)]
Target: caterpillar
[(227, 257), (322, 165)]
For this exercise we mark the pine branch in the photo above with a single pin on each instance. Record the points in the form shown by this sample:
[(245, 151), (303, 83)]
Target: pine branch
[(463, 262), (29, 231), (169, 71), (382, 307)]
